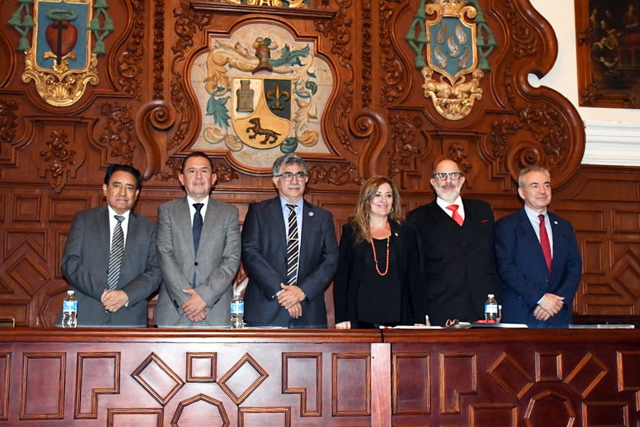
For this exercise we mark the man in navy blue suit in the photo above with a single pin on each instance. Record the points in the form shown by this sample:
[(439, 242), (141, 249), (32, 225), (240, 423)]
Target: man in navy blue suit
[(537, 257), (290, 253)]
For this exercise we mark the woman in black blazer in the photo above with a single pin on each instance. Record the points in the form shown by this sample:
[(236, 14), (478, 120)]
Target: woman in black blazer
[(378, 281)]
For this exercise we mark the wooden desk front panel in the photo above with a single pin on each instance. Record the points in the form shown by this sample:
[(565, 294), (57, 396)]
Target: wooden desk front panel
[(498, 378), (191, 381)]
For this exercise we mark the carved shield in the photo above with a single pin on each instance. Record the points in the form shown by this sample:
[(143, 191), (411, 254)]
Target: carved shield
[(261, 111), (61, 39), (452, 50)]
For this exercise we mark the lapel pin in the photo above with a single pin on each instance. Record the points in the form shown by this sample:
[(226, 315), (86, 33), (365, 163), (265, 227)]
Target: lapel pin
[(555, 222), (311, 213), (395, 234)]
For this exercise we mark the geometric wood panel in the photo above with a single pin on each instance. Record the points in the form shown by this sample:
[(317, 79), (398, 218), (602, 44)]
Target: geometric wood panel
[(201, 367), (302, 374), (411, 397), (42, 388), (458, 377), (351, 384), (140, 417), (96, 374), (5, 381)]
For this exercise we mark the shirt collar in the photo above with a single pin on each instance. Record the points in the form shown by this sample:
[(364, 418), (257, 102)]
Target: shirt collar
[(284, 202), (443, 204), (112, 213)]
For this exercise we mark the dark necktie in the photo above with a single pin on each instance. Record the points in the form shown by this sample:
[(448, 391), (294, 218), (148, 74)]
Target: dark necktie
[(197, 226), (115, 256), (293, 251), (544, 242), (197, 230), (456, 216)]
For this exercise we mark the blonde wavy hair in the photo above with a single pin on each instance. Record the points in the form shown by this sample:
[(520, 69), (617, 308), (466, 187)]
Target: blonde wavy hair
[(362, 212)]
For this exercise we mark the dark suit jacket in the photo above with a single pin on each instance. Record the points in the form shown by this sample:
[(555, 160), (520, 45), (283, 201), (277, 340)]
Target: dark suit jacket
[(215, 265), (524, 273), (348, 276), (458, 262), (85, 264), (264, 243)]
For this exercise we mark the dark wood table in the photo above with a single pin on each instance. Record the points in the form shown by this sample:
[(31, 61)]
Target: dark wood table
[(266, 377)]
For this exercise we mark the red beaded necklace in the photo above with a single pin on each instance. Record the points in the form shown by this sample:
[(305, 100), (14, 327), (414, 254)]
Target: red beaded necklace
[(375, 256)]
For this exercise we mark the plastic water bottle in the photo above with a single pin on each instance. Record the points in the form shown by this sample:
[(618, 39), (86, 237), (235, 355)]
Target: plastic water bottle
[(491, 308), (70, 311), (237, 311)]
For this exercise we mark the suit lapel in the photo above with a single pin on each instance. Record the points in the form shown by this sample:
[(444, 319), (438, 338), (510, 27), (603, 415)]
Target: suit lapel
[(132, 236), (309, 225), (183, 222), (531, 237), (104, 233)]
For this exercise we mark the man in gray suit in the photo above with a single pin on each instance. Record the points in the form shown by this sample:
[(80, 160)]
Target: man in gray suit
[(288, 271), (199, 249), (86, 258)]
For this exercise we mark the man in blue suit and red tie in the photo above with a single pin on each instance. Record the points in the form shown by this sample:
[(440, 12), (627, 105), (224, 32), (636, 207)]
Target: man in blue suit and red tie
[(537, 258)]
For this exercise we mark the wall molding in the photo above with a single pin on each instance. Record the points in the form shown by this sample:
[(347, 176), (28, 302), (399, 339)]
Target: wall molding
[(611, 143)]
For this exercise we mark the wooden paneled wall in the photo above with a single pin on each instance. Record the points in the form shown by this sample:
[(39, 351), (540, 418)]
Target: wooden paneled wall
[(148, 109)]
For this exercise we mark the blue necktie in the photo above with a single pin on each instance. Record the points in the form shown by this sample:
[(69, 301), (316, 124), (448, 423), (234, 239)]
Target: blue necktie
[(197, 230)]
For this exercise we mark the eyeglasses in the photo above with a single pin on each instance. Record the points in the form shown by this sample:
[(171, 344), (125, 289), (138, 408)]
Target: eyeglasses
[(441, 176), (288, 176)]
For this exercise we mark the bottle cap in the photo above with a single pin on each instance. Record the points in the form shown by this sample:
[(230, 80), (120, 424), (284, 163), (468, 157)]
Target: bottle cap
[(490, 295), (70, 292)]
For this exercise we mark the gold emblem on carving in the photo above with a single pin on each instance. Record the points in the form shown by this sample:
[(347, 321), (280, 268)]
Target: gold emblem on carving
[(452, 77)]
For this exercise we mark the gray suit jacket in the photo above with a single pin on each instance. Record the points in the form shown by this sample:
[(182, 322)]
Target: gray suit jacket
[(215, 265), (85, 264)]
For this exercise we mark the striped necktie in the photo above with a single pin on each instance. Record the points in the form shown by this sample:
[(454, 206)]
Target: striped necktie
[(117, 251), (293, 249)]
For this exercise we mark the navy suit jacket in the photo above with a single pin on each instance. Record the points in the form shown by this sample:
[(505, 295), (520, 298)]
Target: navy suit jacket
[(85, 264), (264, 244), (523, 270)]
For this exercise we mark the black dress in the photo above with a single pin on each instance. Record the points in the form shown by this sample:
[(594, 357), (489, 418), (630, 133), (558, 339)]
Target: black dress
[(379, 297), (361, 295)]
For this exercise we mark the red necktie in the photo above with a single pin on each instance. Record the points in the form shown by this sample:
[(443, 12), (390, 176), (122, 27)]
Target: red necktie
[(544, 242), (456, 216)]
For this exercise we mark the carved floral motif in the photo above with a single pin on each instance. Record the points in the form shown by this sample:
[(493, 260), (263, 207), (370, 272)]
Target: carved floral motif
[(338, 30), (59, 160), (8, 120), (119, 134), (408, 143), (336, 175), (158, 50), (129, 63), (188, 22)]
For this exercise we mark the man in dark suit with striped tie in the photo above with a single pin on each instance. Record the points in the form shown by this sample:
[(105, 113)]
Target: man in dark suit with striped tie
[(290, 253), (110, 258)]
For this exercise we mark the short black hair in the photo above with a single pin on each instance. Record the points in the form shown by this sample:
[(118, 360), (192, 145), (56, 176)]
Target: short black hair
[(123, 168), (196, 154)]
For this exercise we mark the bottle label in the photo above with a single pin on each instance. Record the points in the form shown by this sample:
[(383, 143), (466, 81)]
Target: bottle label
[(237, 307), (70, 306), (491, 308)]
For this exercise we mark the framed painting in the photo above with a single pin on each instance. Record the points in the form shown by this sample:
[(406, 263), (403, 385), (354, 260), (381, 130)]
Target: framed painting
[(608, 50)]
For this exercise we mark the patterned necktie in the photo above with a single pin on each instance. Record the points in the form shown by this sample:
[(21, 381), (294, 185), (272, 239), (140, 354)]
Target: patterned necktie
[(197, 226), (117, 251), (456, 216), (544, 242), (293, 251)]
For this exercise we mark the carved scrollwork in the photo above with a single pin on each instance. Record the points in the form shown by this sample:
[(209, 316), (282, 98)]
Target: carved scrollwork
[(367, 50), (188, 22), (59, 161), (544, 139), (225, 173), (336, 175), (8, 119), (119, 133), (395, 75), (129, 62), (158, 49), (408, 143), (338, 30)]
